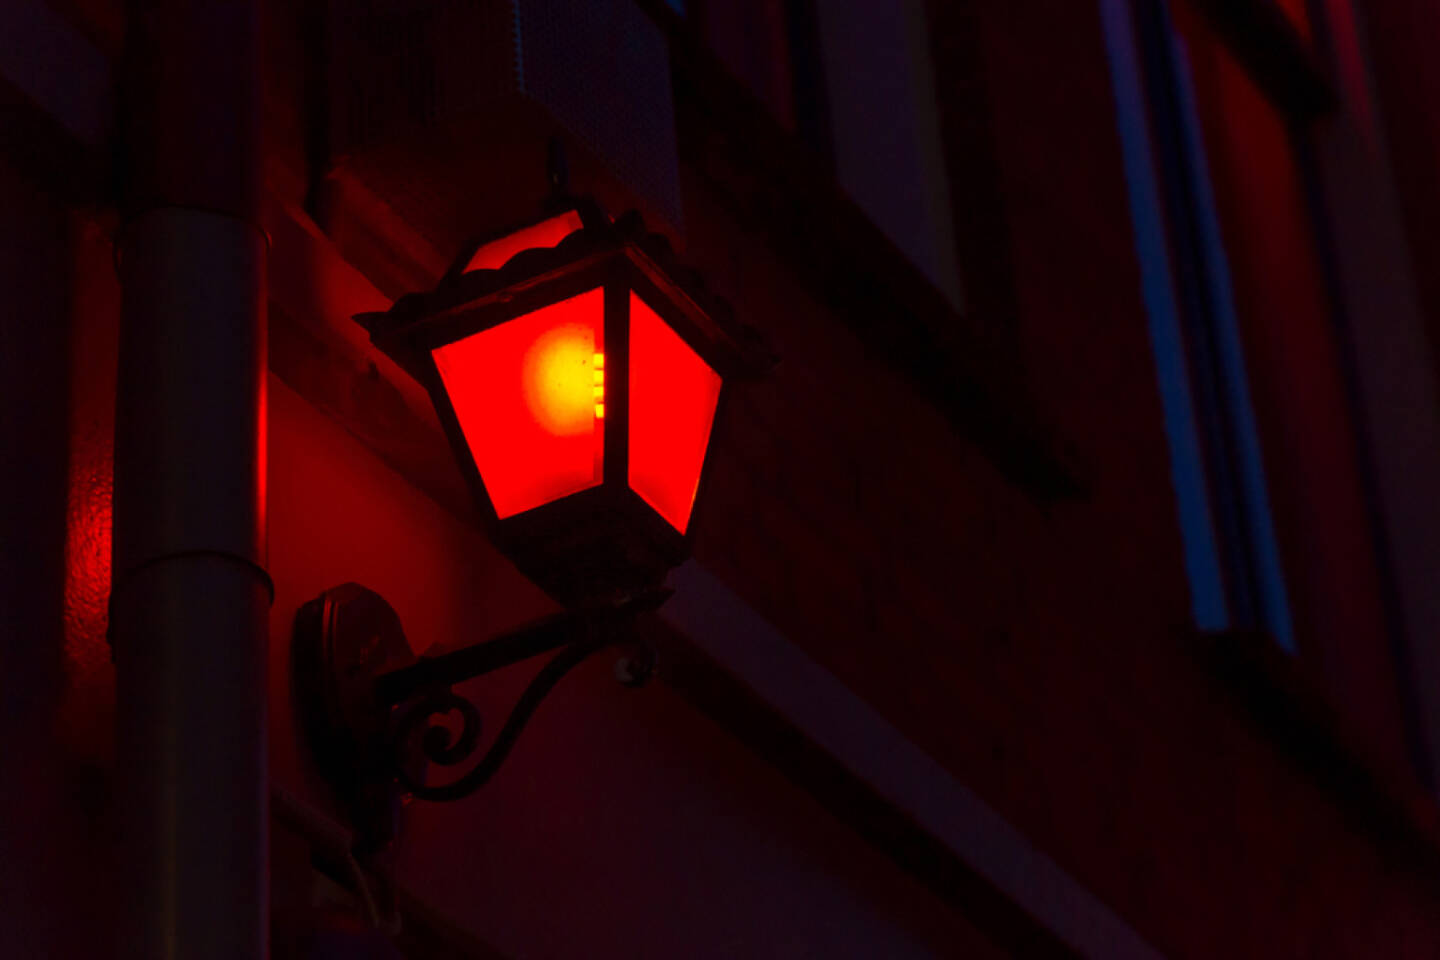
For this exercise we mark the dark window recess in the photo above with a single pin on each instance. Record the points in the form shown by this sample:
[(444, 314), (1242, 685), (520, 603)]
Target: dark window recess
[(807, 77), (1234, 95), (773, 48)]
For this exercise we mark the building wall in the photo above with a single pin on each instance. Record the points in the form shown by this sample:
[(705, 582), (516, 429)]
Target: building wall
[(56, 828), (1036, 650), (624, 824), (1405, 80)]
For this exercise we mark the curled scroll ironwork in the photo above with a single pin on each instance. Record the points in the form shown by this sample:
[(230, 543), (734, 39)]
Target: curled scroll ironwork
[(437, 742), (445, 748)]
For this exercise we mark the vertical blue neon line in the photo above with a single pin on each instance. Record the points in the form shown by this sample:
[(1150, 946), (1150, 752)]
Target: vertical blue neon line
[(1187, 468), (1263, 547)]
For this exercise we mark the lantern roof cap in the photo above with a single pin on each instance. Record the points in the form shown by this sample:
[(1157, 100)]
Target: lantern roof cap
[(597, 237)]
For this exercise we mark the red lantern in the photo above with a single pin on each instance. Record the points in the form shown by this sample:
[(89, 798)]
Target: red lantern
[(578, 373)]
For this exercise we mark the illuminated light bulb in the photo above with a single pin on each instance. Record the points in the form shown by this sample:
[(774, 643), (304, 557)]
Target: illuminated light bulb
[(557, 389), (599, 411)]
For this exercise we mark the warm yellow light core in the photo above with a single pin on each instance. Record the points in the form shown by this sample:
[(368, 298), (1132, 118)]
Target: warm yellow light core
[(558, 384)]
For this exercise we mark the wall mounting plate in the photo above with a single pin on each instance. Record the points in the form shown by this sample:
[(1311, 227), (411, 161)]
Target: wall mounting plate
[(344, 640)]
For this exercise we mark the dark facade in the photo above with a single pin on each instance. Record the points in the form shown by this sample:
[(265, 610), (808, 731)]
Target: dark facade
[(1064, 589)]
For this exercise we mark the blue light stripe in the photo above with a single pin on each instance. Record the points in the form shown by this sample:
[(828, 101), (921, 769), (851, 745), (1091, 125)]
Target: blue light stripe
[(1187, 467), (1264, 549)]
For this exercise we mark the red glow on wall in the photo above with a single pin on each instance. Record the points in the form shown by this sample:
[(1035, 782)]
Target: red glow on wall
[(525, 395), (87, 560), (547, 233), (1298, 16), (85, 721), (673, 394)]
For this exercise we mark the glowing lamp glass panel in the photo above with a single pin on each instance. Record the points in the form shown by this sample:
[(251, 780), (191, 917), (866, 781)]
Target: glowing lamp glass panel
[(529, 396), (547, 233), (672, 407)]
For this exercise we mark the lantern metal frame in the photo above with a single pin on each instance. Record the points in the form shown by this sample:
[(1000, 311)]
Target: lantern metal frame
[(372, 710), (604, 541)]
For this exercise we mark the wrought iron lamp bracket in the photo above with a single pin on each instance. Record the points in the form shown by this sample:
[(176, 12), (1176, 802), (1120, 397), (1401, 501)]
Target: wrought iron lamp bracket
[(373, 711)]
